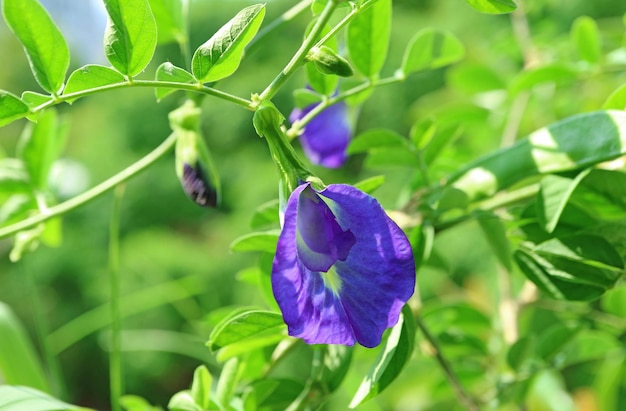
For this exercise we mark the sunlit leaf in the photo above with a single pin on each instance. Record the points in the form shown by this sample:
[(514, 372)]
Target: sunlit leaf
[(131, 35), (227, 382), (369, 185), (14, 177), (18, 398), (576, 142), (242, 325), (91, 76), (11, 108), (376, 138), (169, 72), (547, 393), (170, 17), (33, 99), (40, 146), (220, 56), (493, 6), (201, 387), (45, 47), (556, 73), (337, 361), (431, 49), (554, 193), (617, 99), (265, 215), (496, 236), (443, 137), (368, 38), (19, 363), (394, 354), (586, 39), (261, 241)]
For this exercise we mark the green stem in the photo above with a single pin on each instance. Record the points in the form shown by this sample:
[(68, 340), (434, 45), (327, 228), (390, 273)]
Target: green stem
[(463, 396), (59, 209), (298, 58), (197, 88), (297, 126), (115, 356)]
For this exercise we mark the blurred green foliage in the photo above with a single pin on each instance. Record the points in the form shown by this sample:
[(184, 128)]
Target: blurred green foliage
[(167, 240)]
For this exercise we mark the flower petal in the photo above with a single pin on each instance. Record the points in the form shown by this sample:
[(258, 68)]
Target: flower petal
[(320, 239), (326, 137), (359, 297)]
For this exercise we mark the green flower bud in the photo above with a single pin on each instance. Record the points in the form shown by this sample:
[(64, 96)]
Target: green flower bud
[(327, 61), (194, 165)]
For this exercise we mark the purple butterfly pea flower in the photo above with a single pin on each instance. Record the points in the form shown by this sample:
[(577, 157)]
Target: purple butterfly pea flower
[(326, 137), (343, 269)]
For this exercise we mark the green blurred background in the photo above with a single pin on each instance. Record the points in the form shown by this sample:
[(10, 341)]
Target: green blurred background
[(175, 258)]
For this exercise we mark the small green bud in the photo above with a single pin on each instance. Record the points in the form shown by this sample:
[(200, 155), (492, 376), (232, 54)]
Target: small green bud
[(327, 61), (194, 165)]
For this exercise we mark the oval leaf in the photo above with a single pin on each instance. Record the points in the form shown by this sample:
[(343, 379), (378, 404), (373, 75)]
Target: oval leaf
[(242, 325), (130, 37), (493, 6), (554, 194), (170, 17), (556, 73), (169, 72), (376, 138), (45, 47), (220, 56), (586, 39), (368, 38), (430, 49), (11, 108), (17, 398), (394, 355), (262, 241), (91, 76), (577, 142)]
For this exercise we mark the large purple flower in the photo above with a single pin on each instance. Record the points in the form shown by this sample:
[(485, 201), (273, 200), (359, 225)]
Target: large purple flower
[(343, 269), (326, 137)]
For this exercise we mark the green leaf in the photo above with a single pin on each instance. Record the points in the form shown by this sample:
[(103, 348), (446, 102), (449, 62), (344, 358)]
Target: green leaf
[(131, 35), (304, 97), (40, 146), (586, 39), (368, 38), (183, 401), (272, 393), (550, 342), (493, 6), (394, 354), (227, 383), (45, 47), (265, 215), (442, 138), (421, 239), (18, 398), (376, 138), (14, 176), (573, 143), (602, 194), (242, 325), (391, 157), (136, 403), (220, 56), (547, 392), (170, 17), (577, 267), (33, 99), (496, 236), (169, 72), (617, 99), (369, 185), (320, 82), (261, 241), (19, 363), (337, 362), (430, 49), (11, 108), (422, 132), (554, 193), (474, 78), (614, 301), (91, 76), (201, 387), (557, 73)]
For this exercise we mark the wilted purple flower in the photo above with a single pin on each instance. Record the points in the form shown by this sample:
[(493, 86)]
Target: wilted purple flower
[(326, 137), (343, 269), (198, 187)]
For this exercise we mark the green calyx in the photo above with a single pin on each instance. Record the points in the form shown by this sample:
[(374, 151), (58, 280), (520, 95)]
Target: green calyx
[(268, 122)]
